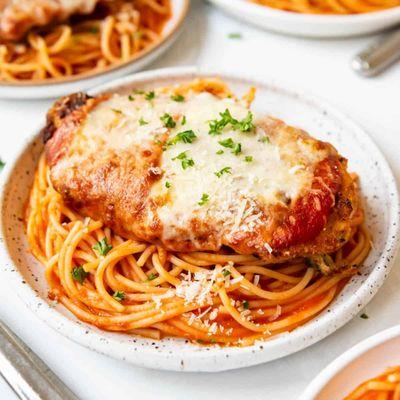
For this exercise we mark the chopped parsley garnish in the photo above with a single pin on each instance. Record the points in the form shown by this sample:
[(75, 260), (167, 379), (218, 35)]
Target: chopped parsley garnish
[(183, 120), (2, 164), (226, 273), (225, 170), (151, 277), (237, 149), (246, 305), (185, 137), (116, 111), (102, 247), (229, 143), (219, 152), (119, 296), (217, 125), (186, 162), (177, 97), (364, 316), (235, 35), (248, 158), (265, 139), (150, 96), (131, 98), (168, 121), (79, 274), (142, 121), (204, 199), (139, 91), (246, 124), (167, 184)]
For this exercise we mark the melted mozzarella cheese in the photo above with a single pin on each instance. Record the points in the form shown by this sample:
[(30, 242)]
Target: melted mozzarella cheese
[(278, 170)]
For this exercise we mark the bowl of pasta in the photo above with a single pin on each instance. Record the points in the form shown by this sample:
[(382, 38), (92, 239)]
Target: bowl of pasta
[(48, 50), (369, 370), (183, 219), (319, 19)]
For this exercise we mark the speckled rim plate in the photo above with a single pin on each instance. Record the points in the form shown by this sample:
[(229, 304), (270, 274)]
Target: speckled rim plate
[(366, 360), (310, 25), (58, 87), (25, 274)]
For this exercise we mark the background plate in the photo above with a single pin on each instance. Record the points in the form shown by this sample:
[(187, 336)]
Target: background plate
[(26, 276), (56, 87), (311, 25), (366, 360)]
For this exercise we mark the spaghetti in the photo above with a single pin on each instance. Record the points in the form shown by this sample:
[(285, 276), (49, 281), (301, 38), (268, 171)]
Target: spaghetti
[(385, 386), (330, 6), (88, 45), (141, 288)]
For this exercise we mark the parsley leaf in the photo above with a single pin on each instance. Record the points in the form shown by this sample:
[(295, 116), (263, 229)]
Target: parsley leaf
[(265, 139), (79, 274), (168, 121), (2, 164), (235, 35), (119, 296), (185, 137), (183, 120), (131, 98), (204, 199), (138, 91), (364, 316), (219, 152), (248, 158), (246, 305), (116, 111), (167, 184), (102, 247), (246, 124), (226, 273), (186, 162), (237, 149), (149, 95), (217, 125), (229, 143), (142, 121), (177, 97), (151, 277), (225, 170)]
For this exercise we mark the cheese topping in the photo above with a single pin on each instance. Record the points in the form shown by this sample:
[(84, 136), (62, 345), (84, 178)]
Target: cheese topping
[(230, 178)]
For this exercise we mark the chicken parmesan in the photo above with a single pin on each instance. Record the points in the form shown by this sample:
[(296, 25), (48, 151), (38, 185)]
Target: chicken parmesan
[(225, 224)]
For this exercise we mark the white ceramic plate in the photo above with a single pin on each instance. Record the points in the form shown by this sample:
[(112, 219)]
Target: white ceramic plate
[(56, 88), (366, 360), (311, 25), (26, 275)]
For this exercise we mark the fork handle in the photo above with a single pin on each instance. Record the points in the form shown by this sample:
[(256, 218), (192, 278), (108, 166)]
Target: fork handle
[(26, 373), (379, 56)]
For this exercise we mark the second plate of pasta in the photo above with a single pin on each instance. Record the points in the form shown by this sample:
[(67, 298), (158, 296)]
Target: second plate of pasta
[(336, 18)]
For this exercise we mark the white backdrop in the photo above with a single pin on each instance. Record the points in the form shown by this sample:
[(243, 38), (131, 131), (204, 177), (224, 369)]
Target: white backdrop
[(320, 67)]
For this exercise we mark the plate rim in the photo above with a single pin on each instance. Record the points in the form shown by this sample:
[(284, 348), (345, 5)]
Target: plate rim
[(203, 361), (342, 361), (318, 18), (87, 76)]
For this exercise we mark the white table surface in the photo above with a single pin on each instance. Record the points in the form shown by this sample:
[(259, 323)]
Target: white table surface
[(319, 66)]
